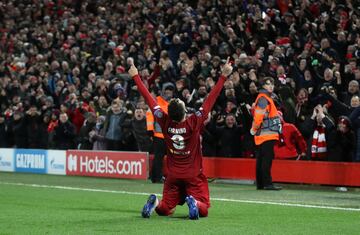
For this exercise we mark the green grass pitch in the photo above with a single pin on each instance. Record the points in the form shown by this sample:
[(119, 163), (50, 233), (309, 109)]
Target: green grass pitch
[(43, 204)]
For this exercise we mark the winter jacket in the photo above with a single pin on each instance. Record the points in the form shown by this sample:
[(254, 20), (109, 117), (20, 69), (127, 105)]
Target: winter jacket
[(293, 144)]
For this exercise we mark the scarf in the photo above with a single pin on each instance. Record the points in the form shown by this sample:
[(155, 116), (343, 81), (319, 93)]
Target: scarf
[(318, 145)]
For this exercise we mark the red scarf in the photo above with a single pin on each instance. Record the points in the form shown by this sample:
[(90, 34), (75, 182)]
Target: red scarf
[(318, 145)]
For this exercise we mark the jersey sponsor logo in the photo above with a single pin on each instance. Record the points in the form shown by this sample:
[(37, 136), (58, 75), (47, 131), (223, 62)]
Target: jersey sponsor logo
[(178, 142), (179, 152)]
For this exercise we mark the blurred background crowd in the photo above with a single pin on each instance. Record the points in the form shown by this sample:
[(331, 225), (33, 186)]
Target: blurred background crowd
[(64, 81)]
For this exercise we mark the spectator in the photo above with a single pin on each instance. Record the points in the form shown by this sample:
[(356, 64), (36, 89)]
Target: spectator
[(302, 109), (319, 128), (128, 138), (344, 142), (65, 133), (113, 125), (18, 126), (229, 137), (291, 144), (209, 140), (101, 106), (53, 123), (43, 130), (353, 89), (33, 121), (355, 121), (83, 141), (143, 140), (97, 135), (4, 132)]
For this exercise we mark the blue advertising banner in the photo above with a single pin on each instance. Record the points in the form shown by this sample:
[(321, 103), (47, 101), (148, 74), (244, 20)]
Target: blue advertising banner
[(30, 160)]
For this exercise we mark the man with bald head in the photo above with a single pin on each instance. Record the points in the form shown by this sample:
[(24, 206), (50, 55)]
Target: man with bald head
[(353, 90)]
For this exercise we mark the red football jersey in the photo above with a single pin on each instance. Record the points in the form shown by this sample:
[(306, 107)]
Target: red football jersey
[(183, 141), (184, 155)]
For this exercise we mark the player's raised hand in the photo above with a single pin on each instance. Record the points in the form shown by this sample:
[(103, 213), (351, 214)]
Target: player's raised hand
[(133, 71), (227, 68)]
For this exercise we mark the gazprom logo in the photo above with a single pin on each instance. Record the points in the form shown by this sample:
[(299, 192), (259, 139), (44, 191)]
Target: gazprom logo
[(4, 162), (30, 160), (56, 166), (72, 163)]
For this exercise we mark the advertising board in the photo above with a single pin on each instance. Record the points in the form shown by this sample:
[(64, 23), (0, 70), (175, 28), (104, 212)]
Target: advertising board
[(131, 165)]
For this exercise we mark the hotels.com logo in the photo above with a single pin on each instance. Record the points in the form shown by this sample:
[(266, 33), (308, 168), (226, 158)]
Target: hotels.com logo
[(104, 165), (72, 163)]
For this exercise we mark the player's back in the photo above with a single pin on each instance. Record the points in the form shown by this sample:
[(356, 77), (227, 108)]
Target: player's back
[(184, 158)]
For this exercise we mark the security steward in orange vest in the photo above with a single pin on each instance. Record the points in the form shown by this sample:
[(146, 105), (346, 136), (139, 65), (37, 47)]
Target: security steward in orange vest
[(159, 145), (266, 128)]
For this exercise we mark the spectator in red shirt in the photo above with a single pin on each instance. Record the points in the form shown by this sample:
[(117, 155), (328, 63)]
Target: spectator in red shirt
[(291, 144), (185, 181)]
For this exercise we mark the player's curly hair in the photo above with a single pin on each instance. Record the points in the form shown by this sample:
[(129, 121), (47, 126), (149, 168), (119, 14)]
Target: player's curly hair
[(176, 110)]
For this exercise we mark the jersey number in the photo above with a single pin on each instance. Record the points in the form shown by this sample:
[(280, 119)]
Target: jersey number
[(178, 142)]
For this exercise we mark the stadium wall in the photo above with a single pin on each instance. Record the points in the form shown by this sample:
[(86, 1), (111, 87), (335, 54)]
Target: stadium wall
[(286, 171)]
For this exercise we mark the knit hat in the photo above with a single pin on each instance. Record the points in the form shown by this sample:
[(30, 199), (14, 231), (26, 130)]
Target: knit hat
[(344, 120), (119, 90), (168, 86)]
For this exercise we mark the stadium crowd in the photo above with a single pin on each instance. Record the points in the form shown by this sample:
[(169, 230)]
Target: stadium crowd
[(64, 81)]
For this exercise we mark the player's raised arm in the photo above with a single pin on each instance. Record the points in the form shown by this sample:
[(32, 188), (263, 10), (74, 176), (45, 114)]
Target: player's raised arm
[(210, 100), (133, 72)]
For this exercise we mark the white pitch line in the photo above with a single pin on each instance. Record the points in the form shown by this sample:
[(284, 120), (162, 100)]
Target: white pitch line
[(213, 199), (287, 204)]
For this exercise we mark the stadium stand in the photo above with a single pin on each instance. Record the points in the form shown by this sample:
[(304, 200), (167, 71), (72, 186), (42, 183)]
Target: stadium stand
[(71, 57)]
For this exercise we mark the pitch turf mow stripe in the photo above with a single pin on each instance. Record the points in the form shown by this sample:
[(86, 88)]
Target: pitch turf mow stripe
[(214, 199)]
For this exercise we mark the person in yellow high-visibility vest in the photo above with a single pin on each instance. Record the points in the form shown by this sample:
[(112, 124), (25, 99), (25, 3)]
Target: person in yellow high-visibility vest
[(159, 145)]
